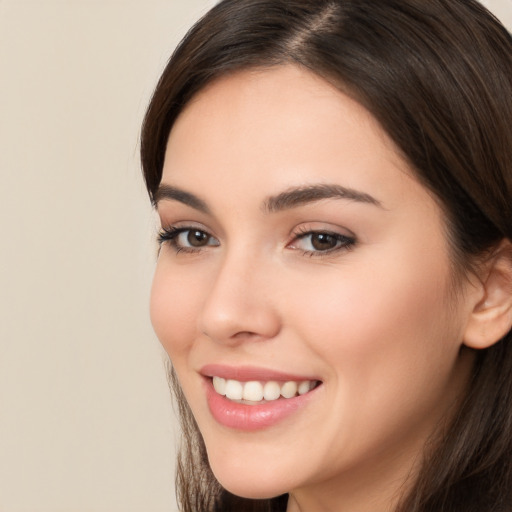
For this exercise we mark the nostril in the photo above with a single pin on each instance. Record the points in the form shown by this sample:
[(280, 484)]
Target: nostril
[(245, 334)]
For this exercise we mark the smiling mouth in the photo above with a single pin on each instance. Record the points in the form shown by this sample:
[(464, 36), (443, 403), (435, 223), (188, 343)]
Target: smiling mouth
[(259, 392)]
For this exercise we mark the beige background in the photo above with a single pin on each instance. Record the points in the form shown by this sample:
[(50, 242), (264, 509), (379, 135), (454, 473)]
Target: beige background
[(85, 418)]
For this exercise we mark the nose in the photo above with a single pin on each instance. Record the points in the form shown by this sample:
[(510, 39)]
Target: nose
[(239, 305)]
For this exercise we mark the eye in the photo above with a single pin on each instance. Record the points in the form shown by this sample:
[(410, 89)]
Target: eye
[(188, 239), (193, 238), (321, 242)]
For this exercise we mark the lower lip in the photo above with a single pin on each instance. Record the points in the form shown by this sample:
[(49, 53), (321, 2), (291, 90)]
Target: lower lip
[(252, 417)]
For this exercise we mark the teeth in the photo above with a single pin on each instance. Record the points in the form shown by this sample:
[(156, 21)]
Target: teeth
[(271, 391), (220, 385), (234, 390), (255, 391), (289, 389), (304, 387)]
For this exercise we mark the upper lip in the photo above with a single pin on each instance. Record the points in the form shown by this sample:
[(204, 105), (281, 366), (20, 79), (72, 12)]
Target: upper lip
[(251, 373)]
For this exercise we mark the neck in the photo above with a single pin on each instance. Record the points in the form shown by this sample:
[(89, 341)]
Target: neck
[(365, 489)]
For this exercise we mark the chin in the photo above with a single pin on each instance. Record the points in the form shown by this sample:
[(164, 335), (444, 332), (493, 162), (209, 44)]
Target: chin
[(248, 482)]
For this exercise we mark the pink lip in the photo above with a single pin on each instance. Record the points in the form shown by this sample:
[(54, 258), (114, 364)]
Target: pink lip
[(248, 373), (251, 417)]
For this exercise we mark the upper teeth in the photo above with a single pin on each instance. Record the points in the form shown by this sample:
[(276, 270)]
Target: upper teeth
[(255, 391)]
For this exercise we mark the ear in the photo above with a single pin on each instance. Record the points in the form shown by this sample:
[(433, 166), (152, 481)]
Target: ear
[(491, 318)]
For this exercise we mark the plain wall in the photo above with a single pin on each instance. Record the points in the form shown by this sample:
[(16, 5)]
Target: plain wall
[(86, 423)]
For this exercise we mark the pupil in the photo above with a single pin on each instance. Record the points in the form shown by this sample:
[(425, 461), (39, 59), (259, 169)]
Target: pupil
[(322, 241), (197, 238)]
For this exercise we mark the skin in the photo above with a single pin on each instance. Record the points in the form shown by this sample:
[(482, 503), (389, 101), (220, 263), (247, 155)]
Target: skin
[(377, 322)]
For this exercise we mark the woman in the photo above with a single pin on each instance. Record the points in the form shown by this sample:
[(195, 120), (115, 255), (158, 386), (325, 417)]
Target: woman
[(334, 285)]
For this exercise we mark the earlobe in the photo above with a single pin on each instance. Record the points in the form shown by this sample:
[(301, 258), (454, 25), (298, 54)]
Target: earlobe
[(491, 318)]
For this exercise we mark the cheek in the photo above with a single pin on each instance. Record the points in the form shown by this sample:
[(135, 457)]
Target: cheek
[(173, 310), (389, 346), (382, 324)]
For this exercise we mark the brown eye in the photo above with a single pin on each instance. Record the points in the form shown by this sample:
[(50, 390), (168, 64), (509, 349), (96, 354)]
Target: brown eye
[(318, 243), (323, 241), (187, 239), (196, 238)]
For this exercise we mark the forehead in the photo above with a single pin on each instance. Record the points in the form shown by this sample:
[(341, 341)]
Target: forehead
[(257, 112), (273, 99), (258, 132)]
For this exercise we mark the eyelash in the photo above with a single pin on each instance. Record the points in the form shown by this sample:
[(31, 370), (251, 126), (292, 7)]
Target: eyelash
[(170, 234), (343, 242)]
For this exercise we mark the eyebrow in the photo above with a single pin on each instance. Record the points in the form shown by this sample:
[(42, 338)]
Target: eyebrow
[(291, 198), (177, 194), (299, 196)]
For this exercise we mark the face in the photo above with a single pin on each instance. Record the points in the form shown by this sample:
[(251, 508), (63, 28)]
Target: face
[(306, 271)]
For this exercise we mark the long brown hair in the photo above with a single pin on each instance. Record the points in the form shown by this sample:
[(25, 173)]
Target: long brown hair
[(437, 75)]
